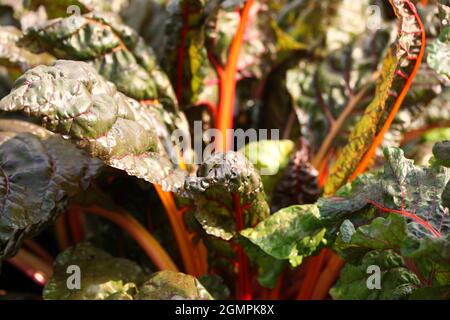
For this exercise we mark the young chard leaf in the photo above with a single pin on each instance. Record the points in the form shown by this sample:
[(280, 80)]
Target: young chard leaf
[(226, 181), (39, 172), (72, 99), (398, 71)]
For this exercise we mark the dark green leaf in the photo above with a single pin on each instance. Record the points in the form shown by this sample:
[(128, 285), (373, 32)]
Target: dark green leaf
[(39, 172), (397, 282)]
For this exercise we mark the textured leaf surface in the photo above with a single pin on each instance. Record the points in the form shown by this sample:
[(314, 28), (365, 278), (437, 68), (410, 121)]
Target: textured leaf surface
[(13, 57), (39, 172), (269, 268), (115, 50), (397, 282), (102, 276), (439, 50), (298, 184), (169, 285), (399, 60), (289, 234), (72, 99), (418, 225), (220, 178)]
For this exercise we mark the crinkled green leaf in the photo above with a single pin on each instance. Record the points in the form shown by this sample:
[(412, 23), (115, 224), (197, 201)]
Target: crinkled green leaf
[(220, 178), (101, 276), (397, 282), (292, 233), (169, 285), (322, 90), (13, 57), (398, 60), (441, 152), (439, 50), (39, 172), (418, 225), (215, 286), (72, 99), (323, 23), (56, 9), (104, 277), (115, 50)]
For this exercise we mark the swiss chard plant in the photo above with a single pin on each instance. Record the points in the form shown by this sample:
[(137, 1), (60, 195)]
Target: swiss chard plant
[(135, 162)]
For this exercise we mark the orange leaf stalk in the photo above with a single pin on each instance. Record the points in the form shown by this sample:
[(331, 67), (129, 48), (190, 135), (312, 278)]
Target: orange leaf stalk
[(34, 267), (189, 257), (227, 82), (398, 102), (37, 249), (148, 243), (328, 276), (312, 275)]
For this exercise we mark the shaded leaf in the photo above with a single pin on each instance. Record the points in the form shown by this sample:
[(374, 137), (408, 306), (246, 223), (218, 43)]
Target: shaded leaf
[(298, 185), (13, 57), (102, 276), (397, 282), (269, 268), (39, 172), (216, 286)]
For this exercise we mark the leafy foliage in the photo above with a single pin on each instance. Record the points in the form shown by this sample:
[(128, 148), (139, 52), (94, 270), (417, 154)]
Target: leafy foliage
[(111, 84), (39, 172), (109, 278), (106, 123)]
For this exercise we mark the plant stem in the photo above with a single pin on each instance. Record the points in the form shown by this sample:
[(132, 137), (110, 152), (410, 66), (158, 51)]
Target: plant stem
[(37, 249), (407, 214), (34, 267), (337, 125), (327, 277), (312, 275), (243, 285), (184, 241), (73, 217), (148, 243), (227, 85), (363, 164), (61, 233)]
